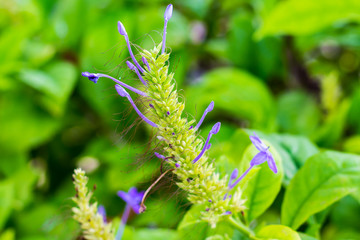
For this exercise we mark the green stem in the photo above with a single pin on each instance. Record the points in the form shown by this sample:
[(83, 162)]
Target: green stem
[(242, 228)]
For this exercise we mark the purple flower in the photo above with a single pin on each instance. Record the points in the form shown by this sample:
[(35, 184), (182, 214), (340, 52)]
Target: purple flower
[(123, 93), (214, 130), (158, 155), (133, 68), (123, 32), (95, 76), (167, 16), (263, 155), (177, 165), (146, 63), (132, 198), (207, 110), (102, 212), (92, 76)]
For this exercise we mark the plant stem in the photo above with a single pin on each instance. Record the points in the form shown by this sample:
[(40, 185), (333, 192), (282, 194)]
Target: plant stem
[(242, 228)]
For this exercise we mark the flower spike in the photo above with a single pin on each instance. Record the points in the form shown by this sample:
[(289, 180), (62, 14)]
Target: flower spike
[(123, 32), (167, 16), (215, 129), (146, 63), (207, 110), (122, 92), (95, 76), (133, 68)]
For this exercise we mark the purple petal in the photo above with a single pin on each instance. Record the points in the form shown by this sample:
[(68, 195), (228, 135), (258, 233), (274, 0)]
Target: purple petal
[(258, 143), (131, 66), (177, 165), (92, 76), (271, 162), (121, 29), (158, 155), (102, 212), (234, 174), (228, 213), (207, 110), (124, 196), (216, 128), (168, 12), (258, 159), (121, 91)]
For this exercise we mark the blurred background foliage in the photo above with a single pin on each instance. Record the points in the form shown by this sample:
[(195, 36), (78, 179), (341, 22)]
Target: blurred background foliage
[(289, 69)]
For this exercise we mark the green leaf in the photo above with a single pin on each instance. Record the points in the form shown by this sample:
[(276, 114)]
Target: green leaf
[(262, 185), (300, 148), (278, 232), (229, 86), (303, 236), (6, 201), (303, 18), (56, 81), (333, 127), (192, 227), (298, 113), (155, 234), (23, 123), (325, 178)]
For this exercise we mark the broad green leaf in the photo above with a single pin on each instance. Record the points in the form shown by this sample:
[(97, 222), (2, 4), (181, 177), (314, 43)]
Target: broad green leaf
[(298, 113), (325, 178), (303, 236), (303, 18), (333, 127), (23, 123), (56, 82), (299, 148), (278, 232), (8, 234), (6, 200), (262, 185), (236, 93), (193, 228), (352, 144), (155, 234)]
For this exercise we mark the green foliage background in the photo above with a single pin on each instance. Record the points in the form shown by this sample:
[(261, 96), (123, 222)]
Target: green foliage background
[(289, 69)]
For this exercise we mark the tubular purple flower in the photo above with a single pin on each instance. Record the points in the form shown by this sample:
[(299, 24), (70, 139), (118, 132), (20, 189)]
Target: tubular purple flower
[(214, 130), (95, 76), (239, 179), (122, 92), (207, 110), (146, 63), (167, 16), (158, 155), (102, 212), (123, 32), (133, 68), (233, 176), (133, 199), (177, 165), (263, 155), (259, 158)]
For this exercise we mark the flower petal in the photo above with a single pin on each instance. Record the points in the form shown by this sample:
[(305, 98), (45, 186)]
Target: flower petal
[(258, 143), (258, 159), (271, 162)]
